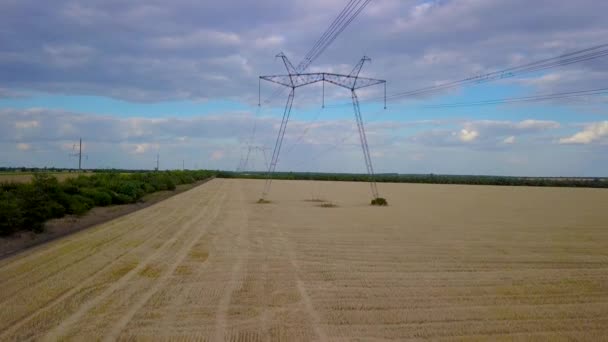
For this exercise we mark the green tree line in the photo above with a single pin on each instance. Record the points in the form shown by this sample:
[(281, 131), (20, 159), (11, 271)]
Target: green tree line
[(432, 179)]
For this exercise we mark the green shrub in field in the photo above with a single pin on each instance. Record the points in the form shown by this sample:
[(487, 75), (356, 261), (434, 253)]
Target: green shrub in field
[(79, 204), (121, 198), (158, 185), (379, 201), (69, 188), (169, 183), (100, 196), (37, 206), (65, 200), (132, 189), (148, 188), (11, 215)]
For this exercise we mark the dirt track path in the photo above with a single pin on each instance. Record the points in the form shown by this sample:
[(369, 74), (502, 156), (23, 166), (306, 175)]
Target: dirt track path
[(210, 264)]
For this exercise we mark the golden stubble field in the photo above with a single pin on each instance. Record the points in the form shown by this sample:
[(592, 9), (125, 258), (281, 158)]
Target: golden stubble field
[(441, 262)]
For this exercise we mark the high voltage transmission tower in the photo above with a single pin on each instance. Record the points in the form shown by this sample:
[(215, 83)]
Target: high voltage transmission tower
[(352, 82), (244, 162)]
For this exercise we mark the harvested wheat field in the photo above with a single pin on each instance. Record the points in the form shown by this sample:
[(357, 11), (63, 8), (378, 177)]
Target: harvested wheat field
[(441, 262)]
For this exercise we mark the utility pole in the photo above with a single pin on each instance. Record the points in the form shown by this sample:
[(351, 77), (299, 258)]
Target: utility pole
[(157, 161), (352, 82), (78, 154)]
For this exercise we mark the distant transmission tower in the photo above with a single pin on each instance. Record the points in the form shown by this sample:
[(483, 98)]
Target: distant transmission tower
[(244, 163), (79, 154), (352, 82)]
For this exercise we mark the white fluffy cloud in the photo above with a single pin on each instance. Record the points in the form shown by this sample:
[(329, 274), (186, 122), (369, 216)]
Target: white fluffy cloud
[(592, 133), (509, 140), (26, 124), (23, 146), (484, 133), (145, 147), (466, 135)]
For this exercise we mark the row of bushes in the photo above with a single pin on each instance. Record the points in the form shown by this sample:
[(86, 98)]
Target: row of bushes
[(26, 206)]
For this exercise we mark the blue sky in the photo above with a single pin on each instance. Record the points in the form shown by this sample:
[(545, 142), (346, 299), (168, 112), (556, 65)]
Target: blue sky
[(181, 79), (118, 107)]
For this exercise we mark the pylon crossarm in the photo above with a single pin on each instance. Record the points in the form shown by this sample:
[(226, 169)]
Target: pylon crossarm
[(351, 82), (282, 80), (344, 81), (367, 82), (294, 81)]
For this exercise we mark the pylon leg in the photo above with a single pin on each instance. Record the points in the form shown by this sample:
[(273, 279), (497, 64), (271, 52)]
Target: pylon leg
[(365, 146), (277, 146)]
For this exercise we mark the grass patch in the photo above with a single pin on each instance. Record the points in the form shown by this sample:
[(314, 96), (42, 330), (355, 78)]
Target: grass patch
[(315, 200), (328, 205), (119, 272), (183, 270), (263, 201), (150, 272), (379, 201), (199, 255)]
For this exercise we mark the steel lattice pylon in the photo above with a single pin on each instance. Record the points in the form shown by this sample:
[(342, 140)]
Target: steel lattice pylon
[(351, 82), (245, 161)]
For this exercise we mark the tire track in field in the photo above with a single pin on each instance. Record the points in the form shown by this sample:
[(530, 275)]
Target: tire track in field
[(58, 331), (310, 310), (122, 322), (90, 281), (236, 274), (169, 320)]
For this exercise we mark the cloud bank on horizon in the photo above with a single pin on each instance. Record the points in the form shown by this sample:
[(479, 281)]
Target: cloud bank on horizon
[(152, 54)]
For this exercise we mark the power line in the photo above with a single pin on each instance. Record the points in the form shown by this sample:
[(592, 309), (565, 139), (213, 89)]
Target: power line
[(308, 57), (345, 21), (344, 18), (578, 56), (562, 60), (304, 132), (535, 98), (341, 142)]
